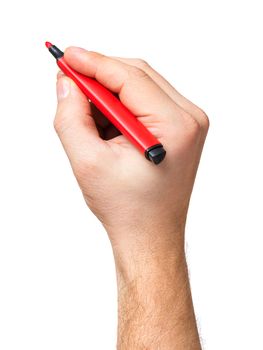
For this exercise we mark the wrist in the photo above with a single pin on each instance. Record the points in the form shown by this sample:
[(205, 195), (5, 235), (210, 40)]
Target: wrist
[(148, 234), (144, 248)]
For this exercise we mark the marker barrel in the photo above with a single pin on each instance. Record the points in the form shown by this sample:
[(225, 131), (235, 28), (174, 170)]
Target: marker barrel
[(112, 108)]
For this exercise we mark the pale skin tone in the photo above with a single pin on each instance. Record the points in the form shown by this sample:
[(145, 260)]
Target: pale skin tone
[(142, 206)]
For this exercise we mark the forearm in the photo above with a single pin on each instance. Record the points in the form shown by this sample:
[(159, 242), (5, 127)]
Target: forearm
[(155, 309)]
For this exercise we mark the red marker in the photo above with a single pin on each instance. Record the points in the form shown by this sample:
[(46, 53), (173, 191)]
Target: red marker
[(113, 110)]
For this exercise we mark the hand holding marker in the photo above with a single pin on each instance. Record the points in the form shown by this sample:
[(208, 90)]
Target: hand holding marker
[(113, 110)]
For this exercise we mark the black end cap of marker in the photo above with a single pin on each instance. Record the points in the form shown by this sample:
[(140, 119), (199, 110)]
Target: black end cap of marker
[(155, 153), (56, 52)]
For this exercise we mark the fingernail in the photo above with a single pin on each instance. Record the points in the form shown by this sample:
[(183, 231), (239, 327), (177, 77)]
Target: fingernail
[(63, 88), (60, 74)]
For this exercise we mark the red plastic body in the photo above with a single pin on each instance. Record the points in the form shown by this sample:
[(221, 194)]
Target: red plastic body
[(112, 108)]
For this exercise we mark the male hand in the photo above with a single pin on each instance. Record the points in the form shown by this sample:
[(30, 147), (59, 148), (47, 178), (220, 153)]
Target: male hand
[(142, 206)]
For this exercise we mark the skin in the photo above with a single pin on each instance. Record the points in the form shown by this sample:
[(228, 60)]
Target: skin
[(143, 207)]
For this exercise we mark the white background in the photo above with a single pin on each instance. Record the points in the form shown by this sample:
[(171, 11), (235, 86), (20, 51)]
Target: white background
[(57, 280)]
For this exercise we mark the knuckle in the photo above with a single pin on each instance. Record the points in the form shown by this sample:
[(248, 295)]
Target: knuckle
[(192, 125), (204, 120), (95, 55), (56, 125), (137, 72), (60, 124), (140, 63)]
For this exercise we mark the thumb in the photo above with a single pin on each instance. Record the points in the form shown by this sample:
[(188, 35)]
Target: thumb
[(74, 124)]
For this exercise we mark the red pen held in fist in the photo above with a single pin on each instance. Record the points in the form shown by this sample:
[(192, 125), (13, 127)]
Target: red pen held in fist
[(113, 110)]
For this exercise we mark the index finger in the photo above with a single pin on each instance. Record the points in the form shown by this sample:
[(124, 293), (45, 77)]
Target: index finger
[(136, 89)]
